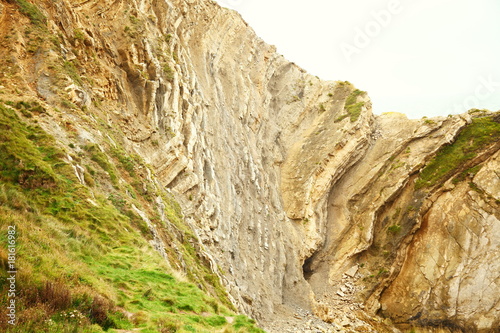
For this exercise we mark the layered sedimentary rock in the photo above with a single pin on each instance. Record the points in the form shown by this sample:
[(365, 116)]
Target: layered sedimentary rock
[(301, 197)]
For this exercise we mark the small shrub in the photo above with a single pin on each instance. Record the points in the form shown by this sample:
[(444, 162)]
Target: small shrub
[(56, 295), (172, 328), (471, 172), (169, 72), (127, 162), (133, 19), (99, 310), (340, 118), (411, 208), (351, 99), (382, 271), (167, 326), (476, 188), (102, 160), (140, 318), (394, 229), (396, 213), (354, 111), (186, 307), (68, 104), (79, 34), (70, 69)]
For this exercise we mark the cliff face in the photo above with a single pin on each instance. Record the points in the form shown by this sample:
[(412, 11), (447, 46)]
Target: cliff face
[(301, 197)]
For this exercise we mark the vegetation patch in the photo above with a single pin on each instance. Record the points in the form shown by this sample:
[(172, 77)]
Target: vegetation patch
[(101, 159), (352, 109), (78, 34), (475, 137), (86, 263), (351, 99), (340, 118), (70, 69), (471, 172), (394, 229), (32, 12), (169, 72), (26, 154)]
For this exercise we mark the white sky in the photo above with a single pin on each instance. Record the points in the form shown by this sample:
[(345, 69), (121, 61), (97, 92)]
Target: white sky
[(422, 58)]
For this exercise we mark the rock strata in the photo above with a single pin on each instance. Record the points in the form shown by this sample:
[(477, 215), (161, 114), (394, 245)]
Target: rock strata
[(304, 202)]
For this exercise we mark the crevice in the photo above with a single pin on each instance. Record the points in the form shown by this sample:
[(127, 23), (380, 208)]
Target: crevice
[(307, 267)]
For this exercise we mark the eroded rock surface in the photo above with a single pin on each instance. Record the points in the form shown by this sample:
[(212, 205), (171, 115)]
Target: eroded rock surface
[(304, 201)]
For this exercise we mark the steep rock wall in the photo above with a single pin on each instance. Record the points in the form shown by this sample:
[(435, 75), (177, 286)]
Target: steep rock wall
[(295, 189)]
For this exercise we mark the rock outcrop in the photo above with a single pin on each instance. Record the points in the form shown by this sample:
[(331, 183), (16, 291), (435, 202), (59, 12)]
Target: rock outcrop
[(302, 198)]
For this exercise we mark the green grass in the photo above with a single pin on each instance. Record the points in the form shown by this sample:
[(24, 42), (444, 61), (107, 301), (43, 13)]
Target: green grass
[(84, 255), (101, 159), (32, 12), (394, 229), (70, 68), (126, 161), (144, 286), (169, 72), (478, 135), (351, 99), (352, 109), (340, 118), (78, 34), (466, 173), (26, 154)]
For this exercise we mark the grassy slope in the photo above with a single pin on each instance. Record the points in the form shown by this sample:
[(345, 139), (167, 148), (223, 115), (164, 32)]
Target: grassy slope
[(84, 261)]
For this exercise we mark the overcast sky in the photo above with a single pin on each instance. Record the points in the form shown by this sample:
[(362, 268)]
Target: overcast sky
[(422, 58)]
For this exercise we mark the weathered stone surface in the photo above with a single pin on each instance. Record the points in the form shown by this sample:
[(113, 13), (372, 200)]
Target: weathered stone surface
[(488, 178), (285, 193), (452, 265)]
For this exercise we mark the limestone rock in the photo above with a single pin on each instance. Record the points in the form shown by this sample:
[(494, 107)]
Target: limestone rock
[(292, 197)]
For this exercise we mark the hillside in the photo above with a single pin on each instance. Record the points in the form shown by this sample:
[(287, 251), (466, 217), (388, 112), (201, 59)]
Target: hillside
[(167, 171)]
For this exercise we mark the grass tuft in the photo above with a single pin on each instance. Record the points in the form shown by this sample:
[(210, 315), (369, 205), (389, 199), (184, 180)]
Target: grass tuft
[(32, 12), (394, 229), (352, 109)]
